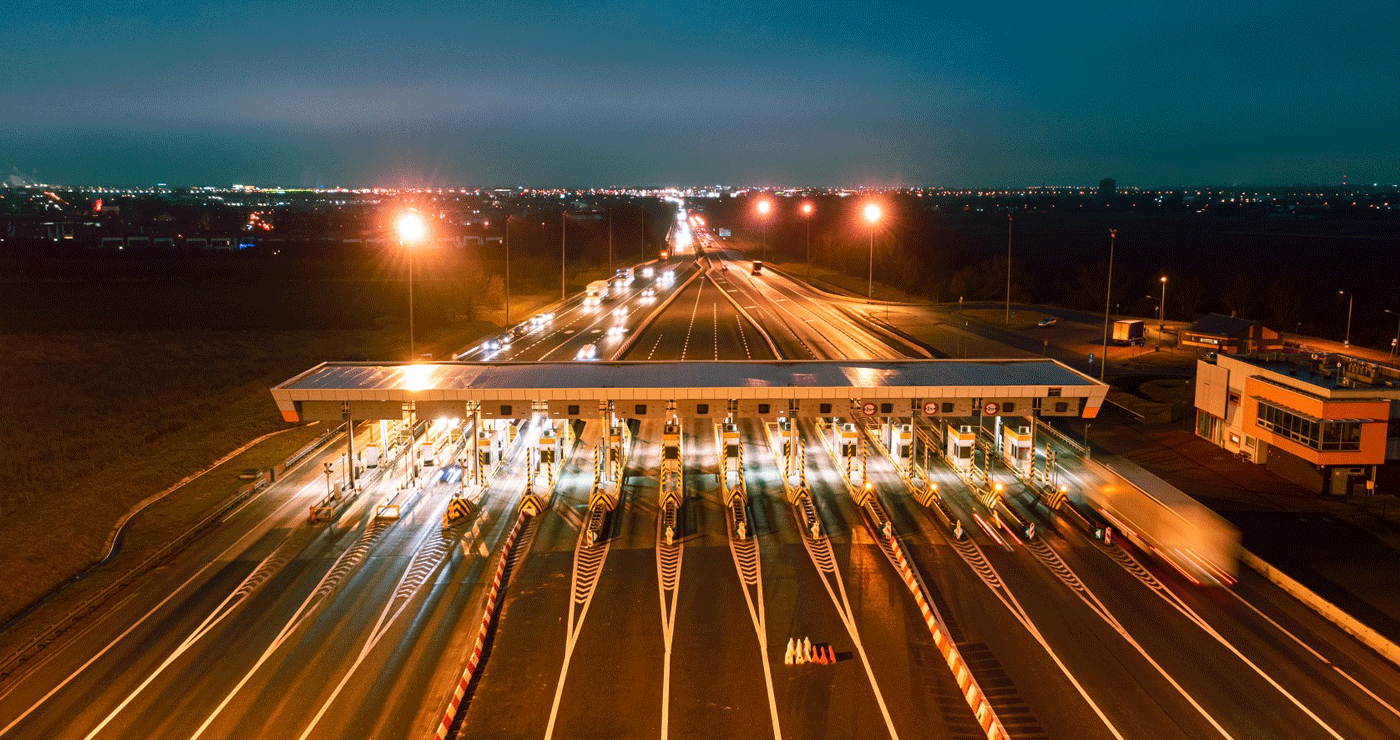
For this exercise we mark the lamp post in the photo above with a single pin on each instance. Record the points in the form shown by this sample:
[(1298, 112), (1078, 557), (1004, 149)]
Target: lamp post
[(1009, 218), (410, 227), (507, 240), (872, 217), (1107, 302), (807, 215), (764, 207), (610, 241), (563, 240), (1162, 310), (1396, 340), (1351, 301)]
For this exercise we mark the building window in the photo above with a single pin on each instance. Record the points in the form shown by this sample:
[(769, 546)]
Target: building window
[(1053, 392), (573, 410), (1061, 407), (702, 409), (1008, 407), (887, 408), (1317, 434), (641, 409), (947, 407), (824, 409), (505, 410), (763, 409)]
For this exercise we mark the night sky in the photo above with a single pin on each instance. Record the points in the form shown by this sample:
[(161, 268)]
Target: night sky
[(588, 94)]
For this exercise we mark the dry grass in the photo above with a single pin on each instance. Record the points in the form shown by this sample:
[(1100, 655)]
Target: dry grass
[(95, 422), (997, 317)]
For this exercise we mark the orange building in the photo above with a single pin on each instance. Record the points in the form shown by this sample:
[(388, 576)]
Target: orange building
[(1325, 421)]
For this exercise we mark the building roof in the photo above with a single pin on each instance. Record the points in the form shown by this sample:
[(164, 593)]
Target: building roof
[(1216, 325), (621, 381)]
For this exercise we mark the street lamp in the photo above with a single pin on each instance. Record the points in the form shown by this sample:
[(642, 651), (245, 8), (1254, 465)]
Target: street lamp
[(872, 217), (807, 209), (1351, 300), (764, 207), (507, 241), (1107, 301), (1396, 340), (1009, 218), (411, 230), (1162, 310)]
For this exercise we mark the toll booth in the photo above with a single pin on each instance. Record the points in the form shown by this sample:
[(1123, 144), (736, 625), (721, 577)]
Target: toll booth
[(729, 439), (787, 435), (1017, 448), (671, 490), (847, 441), (491, 442), (899, 440), (960, 444), (619, 437)]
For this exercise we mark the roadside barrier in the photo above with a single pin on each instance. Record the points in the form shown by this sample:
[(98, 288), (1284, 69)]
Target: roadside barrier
[(488, 613), (971, 691)]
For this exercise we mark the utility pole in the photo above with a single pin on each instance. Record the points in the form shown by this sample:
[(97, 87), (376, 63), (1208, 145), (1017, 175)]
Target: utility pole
[(563, 241), (610, 241), (508, 215), (1009, 218), (1107, 302)]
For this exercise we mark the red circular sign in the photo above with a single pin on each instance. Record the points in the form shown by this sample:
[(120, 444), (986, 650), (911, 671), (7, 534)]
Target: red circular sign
[(869, 409), (990, 408), (930, 408)]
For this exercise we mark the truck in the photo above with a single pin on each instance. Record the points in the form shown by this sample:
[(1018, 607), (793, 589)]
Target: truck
[(595, 292), (371, 458), (1128, 332), (1163, 521)]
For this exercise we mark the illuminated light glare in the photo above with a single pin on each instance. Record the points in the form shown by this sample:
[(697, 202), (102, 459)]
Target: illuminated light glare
[(410, 227), (764, 206), (806, 209), (417, 377), (872, 213)]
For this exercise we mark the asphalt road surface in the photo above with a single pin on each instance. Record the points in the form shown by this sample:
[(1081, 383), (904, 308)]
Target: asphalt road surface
[(275, 627)]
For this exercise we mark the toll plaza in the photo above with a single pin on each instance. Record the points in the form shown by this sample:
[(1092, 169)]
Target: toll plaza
[(899, 407)]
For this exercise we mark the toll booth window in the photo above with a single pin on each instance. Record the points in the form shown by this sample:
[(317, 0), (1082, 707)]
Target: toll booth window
[(763, 408), (505, 410), (1053, 392), (947, 408), (702, 409), (641, 409), (573, 410), (1008, 407), (1061, 407), (824, 409), (887, 408)]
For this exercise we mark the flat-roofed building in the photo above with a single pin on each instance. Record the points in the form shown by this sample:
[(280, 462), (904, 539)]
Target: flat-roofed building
[(1229, 335), (1328, 422)]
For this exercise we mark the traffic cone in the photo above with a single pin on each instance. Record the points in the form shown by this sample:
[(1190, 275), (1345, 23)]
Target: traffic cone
[(806, 650), (821, 655), (787, 654), (831, 654)]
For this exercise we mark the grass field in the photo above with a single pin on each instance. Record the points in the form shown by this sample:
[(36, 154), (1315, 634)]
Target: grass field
[(997, 317)]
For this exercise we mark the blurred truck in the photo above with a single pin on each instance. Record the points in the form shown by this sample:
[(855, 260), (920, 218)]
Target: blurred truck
[(1128, 332)]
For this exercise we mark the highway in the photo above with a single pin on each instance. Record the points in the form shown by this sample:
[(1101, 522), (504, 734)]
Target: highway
[(276, 627)]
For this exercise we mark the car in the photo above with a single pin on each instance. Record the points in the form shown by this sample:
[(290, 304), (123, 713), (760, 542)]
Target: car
[(616, 330), (592, 301), (522, 329), (648, 272), (758, 267), (587, 352), (620, 313), (724, 267), (1047, 322), (505, 340), (648, 295), (491, 345), (668, 276)]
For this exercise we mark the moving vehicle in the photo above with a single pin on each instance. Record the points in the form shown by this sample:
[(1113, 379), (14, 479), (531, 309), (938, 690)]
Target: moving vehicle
[(587, 352), (1128, 332), (757, 267), (595, 292), (649, 295), (723, 266), (626, 274), (1047, 322), (616, 330), (668, 277), (620, 314), (648, 272)]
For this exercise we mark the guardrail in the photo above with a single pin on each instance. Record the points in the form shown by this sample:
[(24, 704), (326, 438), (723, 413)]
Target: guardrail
[(34, 645), (626, 346)]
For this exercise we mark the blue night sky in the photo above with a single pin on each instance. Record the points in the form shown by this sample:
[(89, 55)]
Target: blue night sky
[(583, 93)]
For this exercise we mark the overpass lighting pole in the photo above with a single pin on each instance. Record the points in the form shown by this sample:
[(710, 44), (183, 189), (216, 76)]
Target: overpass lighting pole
[(563, 241), (1351, 301), (1107, 301), (1162, 310), (1395, 341), (1009, 218), (764, 207), (872, 217), (610, 242), (411, 229), (807, 215), (507, 240)]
